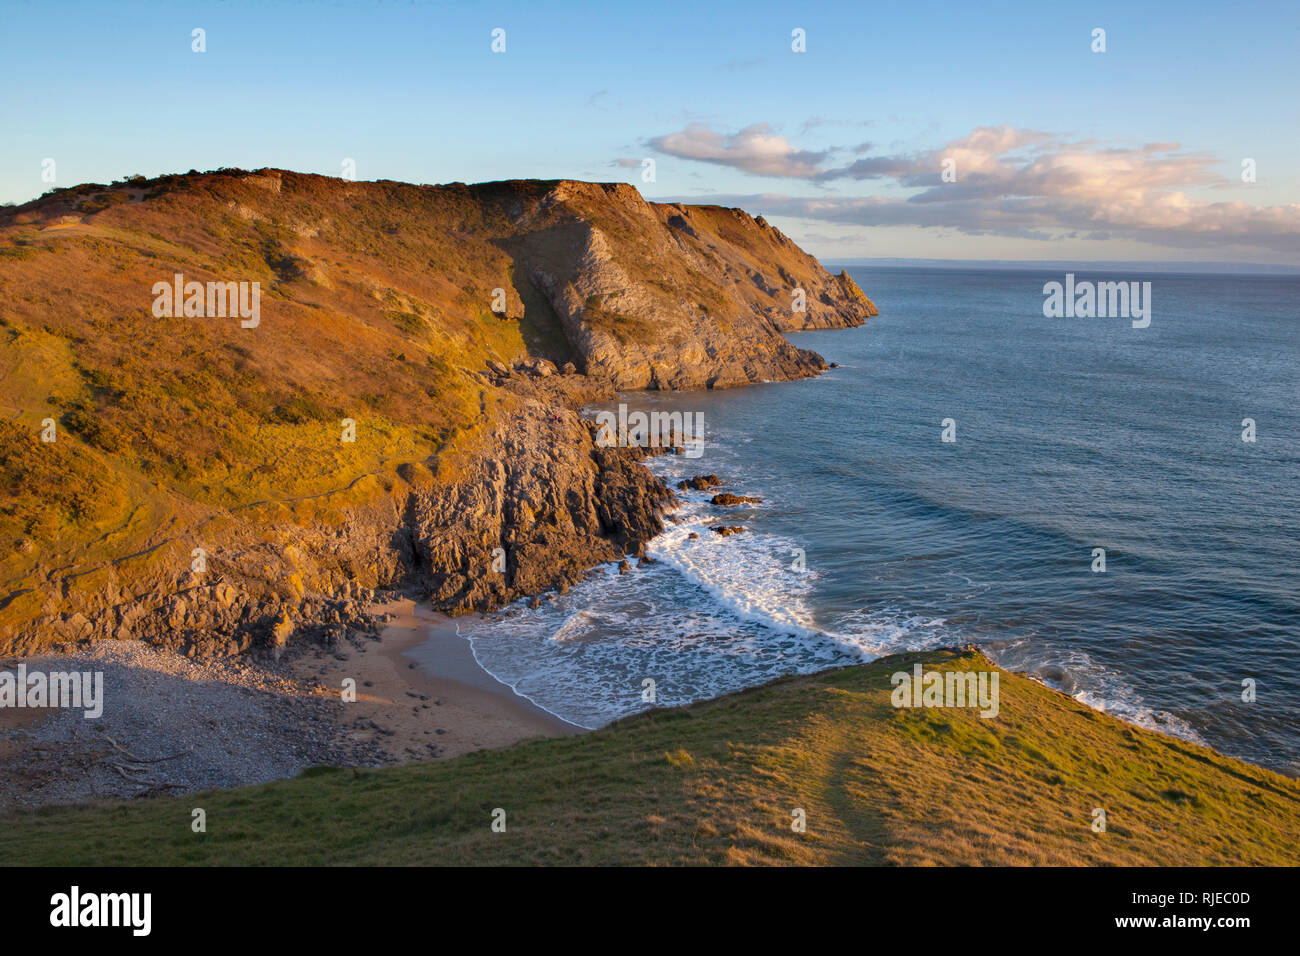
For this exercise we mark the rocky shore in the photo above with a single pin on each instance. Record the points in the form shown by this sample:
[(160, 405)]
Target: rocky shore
[(233, 681), (189, 520), (535, 505), (233, 676)]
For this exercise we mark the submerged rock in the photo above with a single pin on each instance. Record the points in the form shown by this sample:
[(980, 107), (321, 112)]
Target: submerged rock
[(727, 500)]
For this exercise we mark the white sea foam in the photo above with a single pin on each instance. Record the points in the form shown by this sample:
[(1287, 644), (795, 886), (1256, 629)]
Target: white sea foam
[(713, 615), (751, 575), (707, 617), (1075, 672)]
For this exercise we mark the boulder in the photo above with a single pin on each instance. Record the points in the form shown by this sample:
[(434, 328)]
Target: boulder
[(699, 483), (728, 501), (281, 630)]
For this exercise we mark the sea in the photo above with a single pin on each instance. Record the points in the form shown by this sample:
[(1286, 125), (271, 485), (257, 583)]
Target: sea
[(1114, 512)]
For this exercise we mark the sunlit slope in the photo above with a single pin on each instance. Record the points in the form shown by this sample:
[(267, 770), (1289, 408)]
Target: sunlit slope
[(719, 782), (164, 425)]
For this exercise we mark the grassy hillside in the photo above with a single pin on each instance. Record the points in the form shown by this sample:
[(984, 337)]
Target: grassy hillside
[(376, 305), (167, 425), (717, 783)]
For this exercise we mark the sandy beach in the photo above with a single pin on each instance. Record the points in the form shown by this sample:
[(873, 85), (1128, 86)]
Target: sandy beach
[(421, 694), (172, 724)]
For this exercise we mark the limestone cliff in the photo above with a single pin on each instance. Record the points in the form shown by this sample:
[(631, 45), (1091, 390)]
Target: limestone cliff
[(673, 296)]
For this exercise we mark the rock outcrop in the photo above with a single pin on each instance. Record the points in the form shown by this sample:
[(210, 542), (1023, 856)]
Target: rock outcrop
[(728, 500), (699, 483), (534, 512), (535, 506), (670, 296)]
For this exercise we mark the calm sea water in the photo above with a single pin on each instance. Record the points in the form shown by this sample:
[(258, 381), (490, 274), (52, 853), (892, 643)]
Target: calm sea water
[(1071, 435)]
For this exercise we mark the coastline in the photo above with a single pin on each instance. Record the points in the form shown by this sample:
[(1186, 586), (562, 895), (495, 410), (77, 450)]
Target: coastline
[(421, 693)]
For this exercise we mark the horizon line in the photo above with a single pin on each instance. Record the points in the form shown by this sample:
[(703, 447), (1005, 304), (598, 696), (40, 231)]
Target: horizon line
[(1199, 267)]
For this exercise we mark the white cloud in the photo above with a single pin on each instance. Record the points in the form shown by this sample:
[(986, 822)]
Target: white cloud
[(755, 149), (1014, 182)]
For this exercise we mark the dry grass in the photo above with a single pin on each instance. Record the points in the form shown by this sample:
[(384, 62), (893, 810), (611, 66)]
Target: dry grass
[(368, 312)]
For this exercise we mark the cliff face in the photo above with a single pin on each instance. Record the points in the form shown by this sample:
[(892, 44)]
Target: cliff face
[(530, 505), (671, 296), (190, 478), (538, 505)]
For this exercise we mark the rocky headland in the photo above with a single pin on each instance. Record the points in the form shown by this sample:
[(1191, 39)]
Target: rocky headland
[(200, 492)]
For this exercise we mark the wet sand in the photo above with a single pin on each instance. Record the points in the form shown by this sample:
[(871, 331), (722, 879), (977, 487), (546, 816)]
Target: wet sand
[(421, 694)]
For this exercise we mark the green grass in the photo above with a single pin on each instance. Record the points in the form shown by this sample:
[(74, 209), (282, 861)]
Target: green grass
[(717, 782)]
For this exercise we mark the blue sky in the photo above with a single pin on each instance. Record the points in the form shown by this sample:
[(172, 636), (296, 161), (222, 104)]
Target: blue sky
[(1059, 152)]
